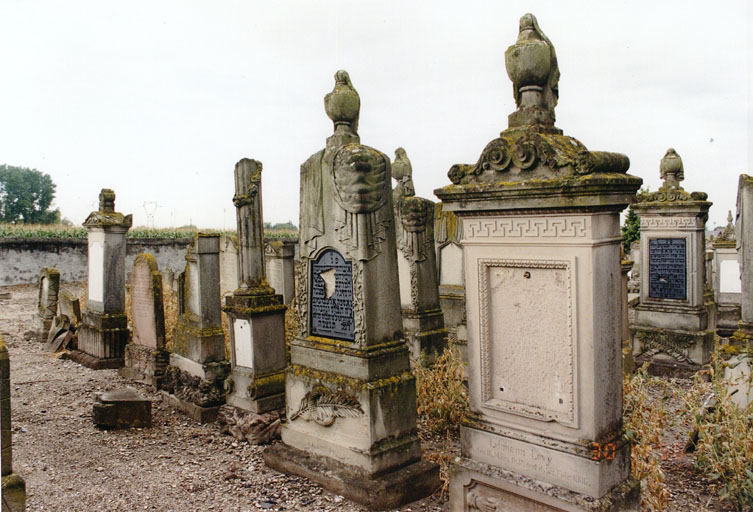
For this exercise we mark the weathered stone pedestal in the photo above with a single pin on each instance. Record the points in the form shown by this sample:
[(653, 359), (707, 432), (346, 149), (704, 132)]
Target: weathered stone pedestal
[(279, 259), (194, 381), (543, 281), (256, 314), (146, 359), (120, 409), (423, 321), (671, 330), (47, 305), (350, 394), (103, 333), (13, 486)]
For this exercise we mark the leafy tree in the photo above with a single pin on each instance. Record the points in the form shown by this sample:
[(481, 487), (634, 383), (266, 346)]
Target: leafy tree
[(631, 229), (26, 195)]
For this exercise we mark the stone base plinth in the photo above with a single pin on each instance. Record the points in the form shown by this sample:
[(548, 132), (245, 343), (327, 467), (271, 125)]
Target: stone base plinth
[(190, 409), (121, 409), (144, 364), (479, 486), (672, 348), (425, 335), (257, 342), (256, 393), (727, 318), (13, 493), (95, 363), (195, 389), (391, 490), (103, 336)]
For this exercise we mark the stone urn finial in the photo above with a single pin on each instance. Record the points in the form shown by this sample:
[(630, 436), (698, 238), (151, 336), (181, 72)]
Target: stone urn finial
[(671, 170), (107, 200), (730, 220), (402, 172), (532, 66), (343, 104)]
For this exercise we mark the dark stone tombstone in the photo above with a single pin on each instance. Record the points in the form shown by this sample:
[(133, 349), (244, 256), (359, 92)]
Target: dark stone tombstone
[(332, 297), (667, 268)]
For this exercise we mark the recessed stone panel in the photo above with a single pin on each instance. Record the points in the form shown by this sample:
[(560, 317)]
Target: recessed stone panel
[(527, 342), (96, 266)]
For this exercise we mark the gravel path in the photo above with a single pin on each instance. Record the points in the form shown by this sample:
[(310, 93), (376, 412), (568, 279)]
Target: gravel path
[(177, 464)]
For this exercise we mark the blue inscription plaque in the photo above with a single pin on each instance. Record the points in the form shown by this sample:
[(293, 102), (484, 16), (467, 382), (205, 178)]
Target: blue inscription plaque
[(667, 271), (332, 297)]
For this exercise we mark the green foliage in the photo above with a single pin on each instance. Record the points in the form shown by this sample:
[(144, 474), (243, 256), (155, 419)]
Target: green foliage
[(631, 229), (26, 195)]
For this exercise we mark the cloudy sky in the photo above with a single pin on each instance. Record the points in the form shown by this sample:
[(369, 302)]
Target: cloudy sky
[(159, 99)]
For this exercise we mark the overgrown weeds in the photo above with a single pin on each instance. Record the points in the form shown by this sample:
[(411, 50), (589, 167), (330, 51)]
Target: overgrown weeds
[(644, 422), (441, 396), (724, 446)]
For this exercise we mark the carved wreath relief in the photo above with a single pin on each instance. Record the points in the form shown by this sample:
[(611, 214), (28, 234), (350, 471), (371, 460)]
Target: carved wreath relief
[(323, 406)]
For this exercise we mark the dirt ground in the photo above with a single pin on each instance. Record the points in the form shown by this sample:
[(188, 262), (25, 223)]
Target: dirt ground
[(177, 464)]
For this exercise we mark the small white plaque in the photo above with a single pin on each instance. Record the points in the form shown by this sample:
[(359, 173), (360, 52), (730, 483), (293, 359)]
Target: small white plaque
[(451, 261), (96, 266), (729, 278), (243, 337)]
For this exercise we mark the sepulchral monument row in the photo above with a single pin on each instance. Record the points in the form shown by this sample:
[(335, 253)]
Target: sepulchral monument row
[(541, 236), (103, 332), (738, 363), (671, 328), (146, 358), (727, 284), (194, 381), (13, 486), (448, 232), (423, 321), (634, 283), (350, 394), (256, 314), (47, 304)]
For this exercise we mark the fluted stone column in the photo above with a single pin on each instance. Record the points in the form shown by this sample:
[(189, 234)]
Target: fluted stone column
[(256, 313)]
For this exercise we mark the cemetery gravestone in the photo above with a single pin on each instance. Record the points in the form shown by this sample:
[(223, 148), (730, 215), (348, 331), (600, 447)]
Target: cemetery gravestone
[(671, 328), (448, 232), (634, 283), (255, 312), (738, 371), (541, 237), (350, 394), (194, 381), (103, 332), (145, 356), (727, 284), (280, 266), (423, 323), (13, 486), (228, 264), (47, 305), (628, 364)]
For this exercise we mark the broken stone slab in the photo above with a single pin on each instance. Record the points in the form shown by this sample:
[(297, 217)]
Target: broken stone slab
[(60, 334), (249, 426), (123, 408)]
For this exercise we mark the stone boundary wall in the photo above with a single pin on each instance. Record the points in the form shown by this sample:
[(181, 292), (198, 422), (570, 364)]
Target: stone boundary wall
[(21, 259)]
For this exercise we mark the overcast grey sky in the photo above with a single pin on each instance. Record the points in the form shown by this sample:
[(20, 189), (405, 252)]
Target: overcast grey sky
[(159, 99)]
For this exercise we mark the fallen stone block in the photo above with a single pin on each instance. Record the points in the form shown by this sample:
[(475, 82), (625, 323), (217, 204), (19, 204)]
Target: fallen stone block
[(123, 408), (249, 426)]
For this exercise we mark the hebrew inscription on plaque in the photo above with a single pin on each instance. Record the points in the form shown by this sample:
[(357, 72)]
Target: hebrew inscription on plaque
[(667, 276), (332, 297)]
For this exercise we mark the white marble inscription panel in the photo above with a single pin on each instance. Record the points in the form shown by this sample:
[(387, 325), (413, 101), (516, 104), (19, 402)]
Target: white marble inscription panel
[(527, 353), (243, 337), (729, 277), (451, 265), (96, 290)]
